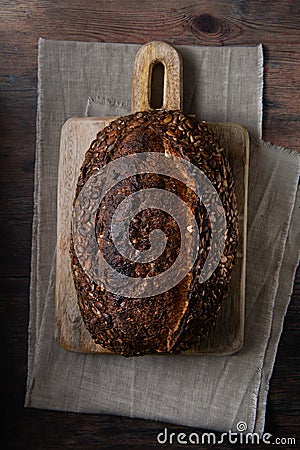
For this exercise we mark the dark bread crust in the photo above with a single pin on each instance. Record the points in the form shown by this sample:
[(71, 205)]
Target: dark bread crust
[(181, 317)]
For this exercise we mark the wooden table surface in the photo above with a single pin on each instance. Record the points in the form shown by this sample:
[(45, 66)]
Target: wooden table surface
[(275, 24)]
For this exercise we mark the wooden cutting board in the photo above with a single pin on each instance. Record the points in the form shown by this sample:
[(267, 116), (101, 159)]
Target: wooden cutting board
[(77, 134)]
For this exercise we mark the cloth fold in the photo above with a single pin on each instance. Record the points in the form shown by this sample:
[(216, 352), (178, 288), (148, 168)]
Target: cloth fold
[(220, 84)]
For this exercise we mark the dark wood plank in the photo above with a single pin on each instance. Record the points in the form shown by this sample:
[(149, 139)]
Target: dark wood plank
[(277, 26)]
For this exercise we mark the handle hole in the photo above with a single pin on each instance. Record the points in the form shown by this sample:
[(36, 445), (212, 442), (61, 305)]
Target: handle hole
[(157, 86)]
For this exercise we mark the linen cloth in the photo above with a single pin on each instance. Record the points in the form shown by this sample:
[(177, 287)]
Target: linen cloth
[(220, 84)]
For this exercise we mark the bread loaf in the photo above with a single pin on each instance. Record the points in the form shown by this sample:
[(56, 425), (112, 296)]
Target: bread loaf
[(177, 319)]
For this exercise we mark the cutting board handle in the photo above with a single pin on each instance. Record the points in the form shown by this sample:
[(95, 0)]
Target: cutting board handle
[(146, 58)]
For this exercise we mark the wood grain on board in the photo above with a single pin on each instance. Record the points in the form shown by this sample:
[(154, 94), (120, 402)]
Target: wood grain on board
[(226, 337)]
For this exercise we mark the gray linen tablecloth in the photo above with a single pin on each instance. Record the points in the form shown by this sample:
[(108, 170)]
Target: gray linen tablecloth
[(220, 84)]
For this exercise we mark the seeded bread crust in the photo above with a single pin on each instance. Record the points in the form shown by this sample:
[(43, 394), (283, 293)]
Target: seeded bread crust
[(181, 317)]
